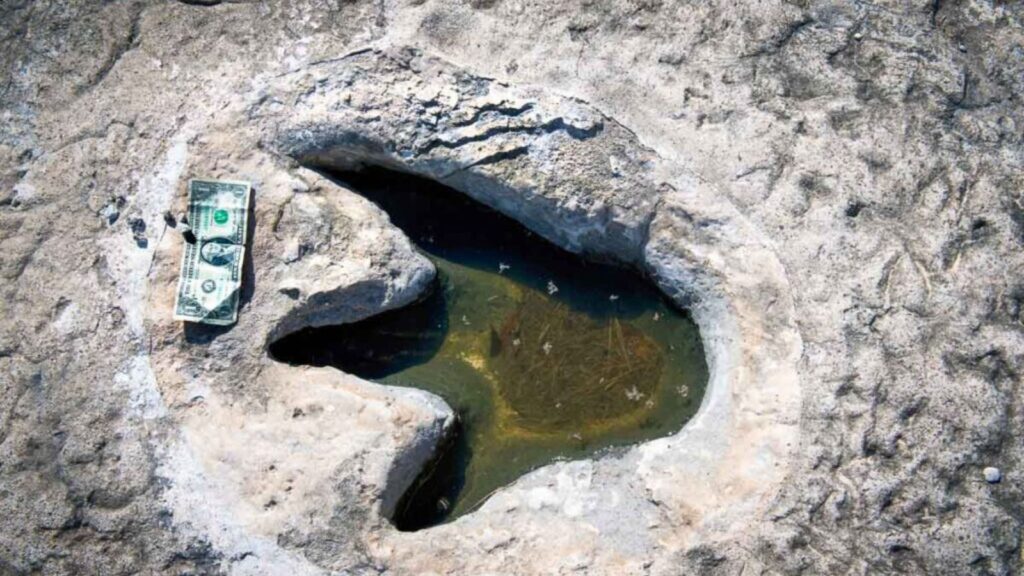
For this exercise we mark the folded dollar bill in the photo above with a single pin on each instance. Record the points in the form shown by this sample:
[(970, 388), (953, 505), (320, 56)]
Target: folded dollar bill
[(211, 267)]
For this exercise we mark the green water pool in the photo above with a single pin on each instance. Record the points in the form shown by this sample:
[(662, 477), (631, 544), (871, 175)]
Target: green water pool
[(543, 354)]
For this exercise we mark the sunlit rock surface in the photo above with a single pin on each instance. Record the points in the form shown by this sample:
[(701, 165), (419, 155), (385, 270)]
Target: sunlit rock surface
[(834, 190)]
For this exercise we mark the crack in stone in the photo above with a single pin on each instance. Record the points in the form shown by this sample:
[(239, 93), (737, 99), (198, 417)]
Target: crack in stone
[(502, 108), (490, 159), (776, 44), (557, 124)]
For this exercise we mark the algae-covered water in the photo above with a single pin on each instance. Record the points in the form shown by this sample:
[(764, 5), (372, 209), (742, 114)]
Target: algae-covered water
[(542, 354)]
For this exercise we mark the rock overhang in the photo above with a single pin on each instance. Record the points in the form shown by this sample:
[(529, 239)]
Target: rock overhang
[(523, 152)]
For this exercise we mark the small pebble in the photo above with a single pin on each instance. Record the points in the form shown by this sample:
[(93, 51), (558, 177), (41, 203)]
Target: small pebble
[(110, 213), (992, 475), (138, 227), (858, 36)]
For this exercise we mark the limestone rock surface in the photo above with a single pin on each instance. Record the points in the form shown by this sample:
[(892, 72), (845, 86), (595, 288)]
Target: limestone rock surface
[(834, 190)]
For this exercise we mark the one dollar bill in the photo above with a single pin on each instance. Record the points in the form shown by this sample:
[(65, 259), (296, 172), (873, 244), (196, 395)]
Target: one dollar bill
[(210, 281)]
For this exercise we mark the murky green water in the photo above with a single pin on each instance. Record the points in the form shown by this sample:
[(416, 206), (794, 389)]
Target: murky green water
[(542, 354)]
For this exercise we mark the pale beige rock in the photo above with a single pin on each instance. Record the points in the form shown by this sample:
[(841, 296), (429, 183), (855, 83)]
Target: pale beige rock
[(834, 189)]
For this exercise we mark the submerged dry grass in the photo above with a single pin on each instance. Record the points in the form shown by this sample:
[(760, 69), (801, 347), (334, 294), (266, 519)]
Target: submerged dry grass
[(559, 371)]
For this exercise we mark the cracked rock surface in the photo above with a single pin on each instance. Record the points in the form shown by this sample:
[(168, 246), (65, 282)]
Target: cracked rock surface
[(834, 189)]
